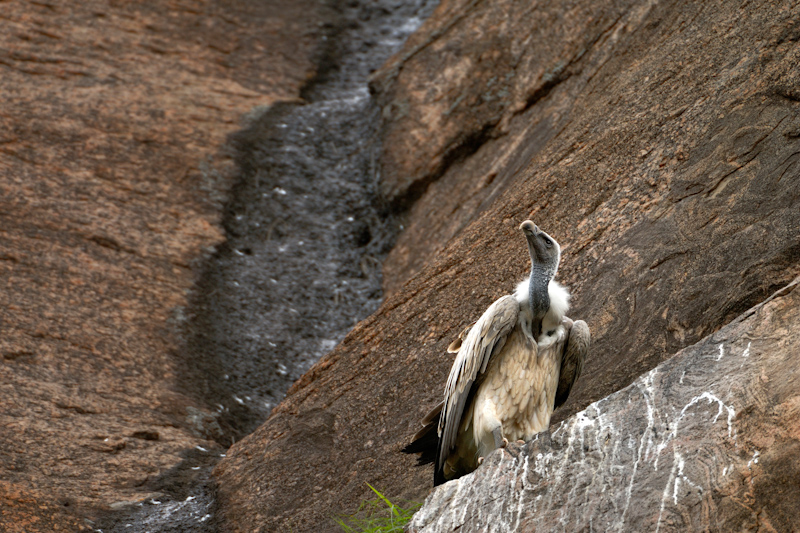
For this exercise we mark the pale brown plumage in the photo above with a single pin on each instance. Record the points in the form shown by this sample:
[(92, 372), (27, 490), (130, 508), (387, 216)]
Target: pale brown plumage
[(505, 382)]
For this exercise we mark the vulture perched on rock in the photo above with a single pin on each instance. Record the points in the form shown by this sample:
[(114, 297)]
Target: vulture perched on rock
[(514, 366)]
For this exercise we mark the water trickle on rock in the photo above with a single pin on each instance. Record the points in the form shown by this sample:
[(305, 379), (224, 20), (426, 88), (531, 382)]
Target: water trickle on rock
[(306, 237), (301, 265)]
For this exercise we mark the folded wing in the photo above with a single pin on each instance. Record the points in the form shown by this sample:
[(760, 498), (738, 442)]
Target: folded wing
[(576, 347), (486, 338)]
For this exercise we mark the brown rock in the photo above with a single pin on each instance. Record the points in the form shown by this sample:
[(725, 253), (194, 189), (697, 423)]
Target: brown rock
[(29, 510), (646, 119), (658, 142), (111, 123), (663, 159), (471, 69), (706, 441)]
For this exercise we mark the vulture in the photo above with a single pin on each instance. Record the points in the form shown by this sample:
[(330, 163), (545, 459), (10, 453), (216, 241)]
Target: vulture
[(513, 367)]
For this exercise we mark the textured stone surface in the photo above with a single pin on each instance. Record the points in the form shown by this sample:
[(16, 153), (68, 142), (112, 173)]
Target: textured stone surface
[(666, 158), (474, 67), (706, 441), (639, 90), (663, 154), (112, 116)]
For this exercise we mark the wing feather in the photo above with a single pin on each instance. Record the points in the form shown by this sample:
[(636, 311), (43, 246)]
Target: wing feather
[(484, 339), (575, 349), (426, 441), (456, 344)]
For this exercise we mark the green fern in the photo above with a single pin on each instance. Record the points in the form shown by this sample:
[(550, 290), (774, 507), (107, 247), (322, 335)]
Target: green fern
[(378, 516)]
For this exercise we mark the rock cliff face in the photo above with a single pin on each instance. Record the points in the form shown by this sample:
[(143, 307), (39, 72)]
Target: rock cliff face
[(659, 142), (664, 155), (706, 441), (112, 116)]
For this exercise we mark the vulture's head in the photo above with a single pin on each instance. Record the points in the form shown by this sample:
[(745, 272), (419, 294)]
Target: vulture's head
[(545, 251)]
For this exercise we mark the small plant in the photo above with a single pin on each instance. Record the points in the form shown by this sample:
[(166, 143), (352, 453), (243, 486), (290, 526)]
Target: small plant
[(378, 516)]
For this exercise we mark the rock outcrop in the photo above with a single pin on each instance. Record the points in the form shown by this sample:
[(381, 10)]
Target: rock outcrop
[(658, 141), (706, 441), (112, 119)]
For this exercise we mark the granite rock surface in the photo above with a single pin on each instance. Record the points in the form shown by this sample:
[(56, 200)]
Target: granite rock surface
[(657, 141), (113, 117)]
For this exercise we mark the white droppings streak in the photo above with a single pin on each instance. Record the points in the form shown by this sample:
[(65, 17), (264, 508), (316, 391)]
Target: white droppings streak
[(721, 406), (721, 353), (677, 484), (665, 494), (646, 388), (676, 424), (746, 352), (681, 477)]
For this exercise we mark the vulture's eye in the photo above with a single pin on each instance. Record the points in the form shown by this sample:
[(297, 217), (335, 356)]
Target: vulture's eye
[(548, 242)]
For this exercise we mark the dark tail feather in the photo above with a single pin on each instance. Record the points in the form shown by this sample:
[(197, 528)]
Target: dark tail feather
[(438, 477), (426, 441)]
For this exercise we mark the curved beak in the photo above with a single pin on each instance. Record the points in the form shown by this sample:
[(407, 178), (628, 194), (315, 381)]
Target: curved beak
[(529, 228)]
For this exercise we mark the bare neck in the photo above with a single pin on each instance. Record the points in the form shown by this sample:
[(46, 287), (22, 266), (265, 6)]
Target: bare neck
[(539, 297)]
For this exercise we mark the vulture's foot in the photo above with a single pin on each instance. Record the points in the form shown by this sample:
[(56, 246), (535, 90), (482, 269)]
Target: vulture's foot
[(480, 461), (499, 440), (520, 442)]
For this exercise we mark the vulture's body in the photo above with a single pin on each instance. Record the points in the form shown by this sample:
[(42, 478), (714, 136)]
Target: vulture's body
[(514, 366)]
